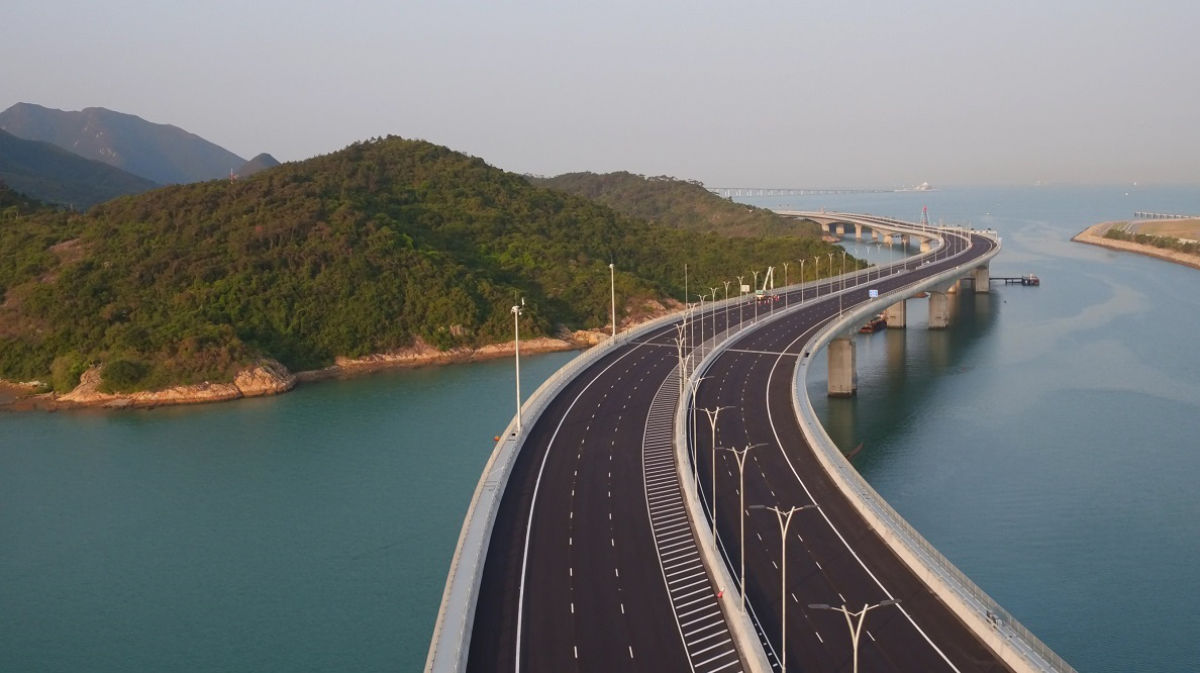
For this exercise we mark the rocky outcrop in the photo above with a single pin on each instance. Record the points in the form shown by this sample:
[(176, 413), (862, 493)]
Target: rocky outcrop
[(266, 378)]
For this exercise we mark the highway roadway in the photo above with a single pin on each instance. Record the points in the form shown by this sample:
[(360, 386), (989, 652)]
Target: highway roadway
[(592, 568)]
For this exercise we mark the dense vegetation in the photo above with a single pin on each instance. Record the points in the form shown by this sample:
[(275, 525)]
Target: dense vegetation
[(360, 251), (679, 204), (52, 174), (1165, 242)]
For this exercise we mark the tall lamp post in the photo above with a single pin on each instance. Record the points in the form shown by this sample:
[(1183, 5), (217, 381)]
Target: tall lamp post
[(712, 502), (516, 311), (740, 455), (785, 284), (741, 284), (785, 520), (817, 273), (612, 278), (860, 616), (726, 307), (694, 384), (712, 300), (801, 281), (830, 273)]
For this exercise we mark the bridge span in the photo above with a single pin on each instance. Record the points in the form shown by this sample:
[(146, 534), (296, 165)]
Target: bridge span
[(605, 535)]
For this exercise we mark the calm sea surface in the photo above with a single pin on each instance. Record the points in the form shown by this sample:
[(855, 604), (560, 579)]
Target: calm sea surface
[(1046, 443)]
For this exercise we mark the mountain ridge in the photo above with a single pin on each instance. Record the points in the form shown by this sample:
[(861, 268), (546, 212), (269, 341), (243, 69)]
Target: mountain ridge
[(49, 173), (161, 153)]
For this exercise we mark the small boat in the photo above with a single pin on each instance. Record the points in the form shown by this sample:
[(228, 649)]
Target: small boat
[(1030, 279), (874, 325)]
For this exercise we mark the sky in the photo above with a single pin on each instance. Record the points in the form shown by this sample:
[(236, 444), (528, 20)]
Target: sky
[(797, 94)]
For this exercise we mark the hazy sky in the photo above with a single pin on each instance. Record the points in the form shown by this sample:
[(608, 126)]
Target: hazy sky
[(797, 94)]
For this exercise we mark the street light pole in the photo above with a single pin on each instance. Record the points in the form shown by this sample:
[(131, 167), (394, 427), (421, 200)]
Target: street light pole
[(741, 284), (516, 311), (855, 628), (694, 384), (785, 520), (726, 308), (817, 274), (740, 455), (612, 277), (712, 502), (785, 284), (801, 281), (712, 299)]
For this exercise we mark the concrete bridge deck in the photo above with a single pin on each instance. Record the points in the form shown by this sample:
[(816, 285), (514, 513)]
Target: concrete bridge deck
[(560, 566)]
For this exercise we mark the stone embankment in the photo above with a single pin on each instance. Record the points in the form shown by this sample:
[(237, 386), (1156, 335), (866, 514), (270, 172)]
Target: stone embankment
[(1094, 235)]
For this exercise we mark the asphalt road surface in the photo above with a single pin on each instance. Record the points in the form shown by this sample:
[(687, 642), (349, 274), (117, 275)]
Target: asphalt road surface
[(580, 576)]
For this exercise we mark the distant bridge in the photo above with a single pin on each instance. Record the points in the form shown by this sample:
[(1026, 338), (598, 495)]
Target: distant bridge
[(726, 192)]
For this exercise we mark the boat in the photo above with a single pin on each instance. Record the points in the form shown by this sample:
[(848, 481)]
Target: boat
[(874, 325), (1030, 279)]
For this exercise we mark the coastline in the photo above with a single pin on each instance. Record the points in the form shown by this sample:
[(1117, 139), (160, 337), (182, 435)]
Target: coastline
[(1094, 235), (270, 378)]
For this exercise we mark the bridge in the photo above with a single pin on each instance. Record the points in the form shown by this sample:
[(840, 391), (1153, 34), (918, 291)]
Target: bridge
[(729, 192), (614, 529)]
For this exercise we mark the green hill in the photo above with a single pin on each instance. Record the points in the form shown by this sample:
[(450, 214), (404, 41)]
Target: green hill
[(360, 251), (680, 204), (49, 173)]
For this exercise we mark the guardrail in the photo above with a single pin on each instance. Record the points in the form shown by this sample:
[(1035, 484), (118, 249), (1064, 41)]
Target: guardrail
[(1008, 637)]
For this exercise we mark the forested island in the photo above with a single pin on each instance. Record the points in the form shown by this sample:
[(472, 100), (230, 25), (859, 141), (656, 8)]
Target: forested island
[(386, 245)]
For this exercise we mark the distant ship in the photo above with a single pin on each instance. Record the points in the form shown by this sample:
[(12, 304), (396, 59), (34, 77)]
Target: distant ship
[(923, 187)]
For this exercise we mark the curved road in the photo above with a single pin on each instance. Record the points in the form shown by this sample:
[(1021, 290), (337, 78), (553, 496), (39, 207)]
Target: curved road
[(578, 578), (834, 558)]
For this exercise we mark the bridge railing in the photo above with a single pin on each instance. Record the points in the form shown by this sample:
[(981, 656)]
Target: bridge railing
[(985, 615)]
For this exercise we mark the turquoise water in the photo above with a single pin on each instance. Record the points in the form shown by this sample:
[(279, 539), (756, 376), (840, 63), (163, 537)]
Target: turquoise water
[(1046, 444), (306, 532)]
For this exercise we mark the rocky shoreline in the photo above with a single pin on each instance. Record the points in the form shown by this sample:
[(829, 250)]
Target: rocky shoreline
[(1094, 235), (268, 377)]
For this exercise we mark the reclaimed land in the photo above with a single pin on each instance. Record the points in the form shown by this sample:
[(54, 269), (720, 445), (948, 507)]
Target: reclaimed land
[(1095, 235)]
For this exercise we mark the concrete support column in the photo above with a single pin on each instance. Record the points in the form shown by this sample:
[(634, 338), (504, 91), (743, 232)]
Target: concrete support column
[(896, 314), (925, 245), (843, 377), (841, 229), (857, 231), (939, 310), (982, 280), (887, 239), (953, 289)]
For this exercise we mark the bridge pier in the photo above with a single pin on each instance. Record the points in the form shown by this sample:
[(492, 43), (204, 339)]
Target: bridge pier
[(953, 289), (939, 310), (840, 229), (843, 373), (858, 231), (887, 239), (982, 281), (925, 246), (896, 314)]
